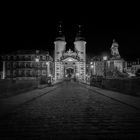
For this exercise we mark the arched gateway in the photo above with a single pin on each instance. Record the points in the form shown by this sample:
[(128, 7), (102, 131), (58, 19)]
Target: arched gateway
[(70, 63)]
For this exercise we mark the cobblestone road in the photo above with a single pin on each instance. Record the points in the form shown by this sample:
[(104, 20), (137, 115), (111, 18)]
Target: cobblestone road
[(74, 112)]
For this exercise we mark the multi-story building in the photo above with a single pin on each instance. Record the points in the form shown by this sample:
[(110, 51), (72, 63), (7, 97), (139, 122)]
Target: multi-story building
[(132, 67), (101, 66), (96, 66), (28, 64)]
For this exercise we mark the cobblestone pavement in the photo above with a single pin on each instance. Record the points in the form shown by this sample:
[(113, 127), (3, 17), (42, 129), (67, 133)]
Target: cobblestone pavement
[(71, 112)]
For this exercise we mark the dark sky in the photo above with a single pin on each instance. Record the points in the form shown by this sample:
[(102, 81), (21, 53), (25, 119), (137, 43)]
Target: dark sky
[(33, 26)]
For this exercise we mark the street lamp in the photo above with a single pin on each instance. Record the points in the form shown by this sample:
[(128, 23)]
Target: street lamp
[(105, 59), (91, 69), (37, 61), (47, 63)]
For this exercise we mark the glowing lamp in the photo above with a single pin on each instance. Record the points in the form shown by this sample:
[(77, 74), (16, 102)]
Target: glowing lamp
[(104, 57)]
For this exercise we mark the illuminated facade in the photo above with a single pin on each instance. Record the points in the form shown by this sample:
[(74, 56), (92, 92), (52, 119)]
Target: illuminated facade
[(70, 63), (23, 65), (132, 67), (116, 62), (113, 63)]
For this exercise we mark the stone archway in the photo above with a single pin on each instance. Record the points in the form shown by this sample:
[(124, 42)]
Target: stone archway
[(70, 66), (69, 72)]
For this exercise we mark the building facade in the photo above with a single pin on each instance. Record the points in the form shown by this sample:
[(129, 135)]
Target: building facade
[(116, 62), (70, 63), (27, 65), (132, 67), (108, 64)]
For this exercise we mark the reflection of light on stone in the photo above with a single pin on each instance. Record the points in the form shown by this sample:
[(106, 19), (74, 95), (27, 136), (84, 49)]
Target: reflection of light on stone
[(70, 59), (36, 59), (77, 74), (92, 66)]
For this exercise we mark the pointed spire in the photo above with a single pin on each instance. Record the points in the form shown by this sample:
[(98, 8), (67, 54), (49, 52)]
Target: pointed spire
[(79, 34), (60, 35), (114, 40), (114, 50), (115, 44), (60, 26), (79, 28)]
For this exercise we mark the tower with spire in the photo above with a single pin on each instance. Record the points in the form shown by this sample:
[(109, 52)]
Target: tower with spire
[(60, 36), (116, 61), (60, 47), (80, 48), (114, 50)]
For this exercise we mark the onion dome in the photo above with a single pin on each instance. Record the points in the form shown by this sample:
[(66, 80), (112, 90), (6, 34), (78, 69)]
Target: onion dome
[(79, 36), (60, 36)]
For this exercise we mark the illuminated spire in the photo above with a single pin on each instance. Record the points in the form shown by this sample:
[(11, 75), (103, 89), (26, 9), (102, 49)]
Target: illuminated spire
[(115, 44), (60, 27), (114, 50), (114, 40), (79, 28), (60, 36), (79, 36)]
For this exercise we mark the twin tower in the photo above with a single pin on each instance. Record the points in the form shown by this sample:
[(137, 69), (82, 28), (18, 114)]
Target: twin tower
[(79, 50)]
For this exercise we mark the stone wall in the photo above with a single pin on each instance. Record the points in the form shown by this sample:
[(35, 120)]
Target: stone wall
[(14, 87), (129, 86)]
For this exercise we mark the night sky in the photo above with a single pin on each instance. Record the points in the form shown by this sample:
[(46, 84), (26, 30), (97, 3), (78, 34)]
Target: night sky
[(33, 26)]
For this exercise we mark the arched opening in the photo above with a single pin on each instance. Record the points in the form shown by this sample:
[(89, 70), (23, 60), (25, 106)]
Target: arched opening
[(69, 72)]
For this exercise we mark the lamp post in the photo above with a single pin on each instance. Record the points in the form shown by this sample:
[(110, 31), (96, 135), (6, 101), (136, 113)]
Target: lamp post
[(3, 73), (47, 63), (37, 61), (91, 68), (48, 72), (105, 59)]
